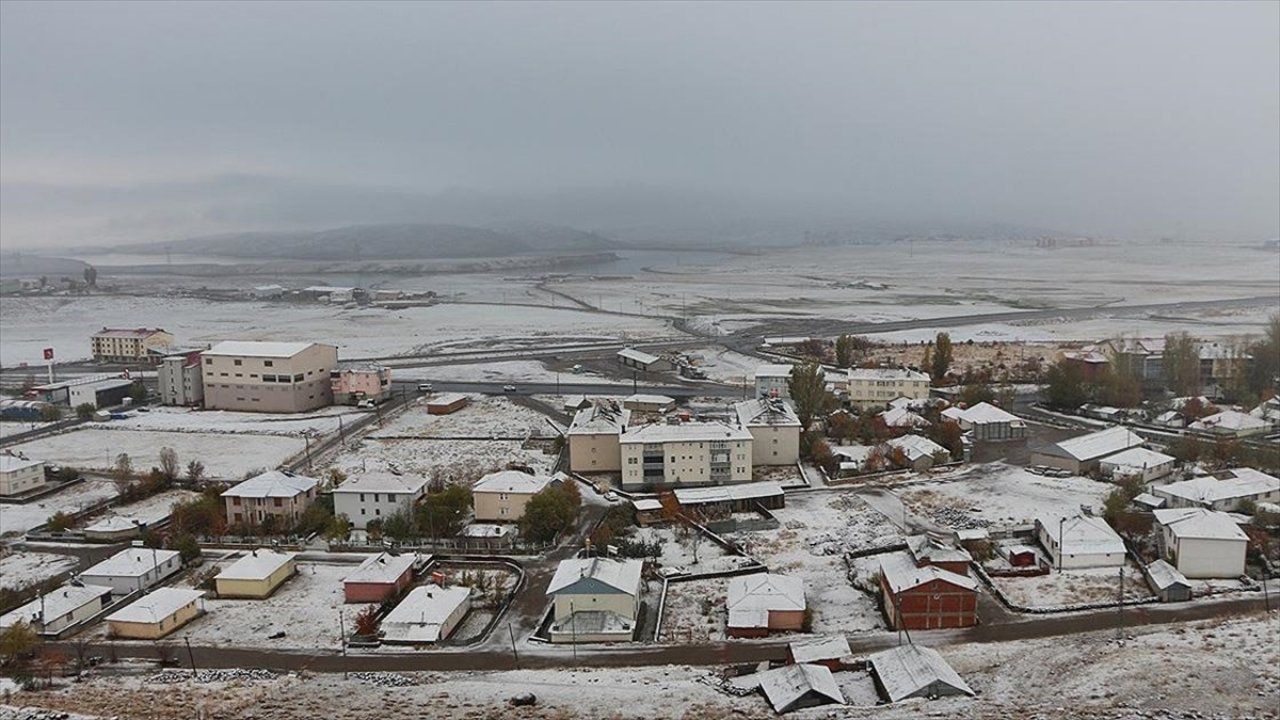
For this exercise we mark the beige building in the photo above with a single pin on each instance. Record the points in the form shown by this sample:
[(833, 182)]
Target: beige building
[(277, 377), (63, 608), (879, 386), (180, 379), (774, 428), (595, 600), (501, 496), (130, 345), (593, 438), (19, 475), (156, 615), (695, 453), (256, 575), (278, 494)]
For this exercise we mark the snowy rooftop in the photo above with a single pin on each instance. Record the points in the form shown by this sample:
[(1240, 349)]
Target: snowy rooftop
[(382, 568), (139, 333), (1230, 420), (157, 606), (765, 411), (726, 493), (751, 597), (639, 356), (642, 399), (65, 599), (828, 648), (602, 417), (647, 504), (421, 615), (1200, 523), (1094, 445), (916, 447), (777, 370), (487, 530), (684, 432), (257, 565), (273, 483), (381, 482), (902, 417), (887, 374), (785, 686), (1138, 458), (1149, 500), (900, 573), (113, 523), (12, 463), (907, 670), (511, 481), (1226, 485), (1163, 575), (257, 348), (983, 413), (622, 575), (926, 549), (1083, 535), (131, 562)]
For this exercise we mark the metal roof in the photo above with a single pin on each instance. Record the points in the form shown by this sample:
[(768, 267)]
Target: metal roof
[(157, 606)]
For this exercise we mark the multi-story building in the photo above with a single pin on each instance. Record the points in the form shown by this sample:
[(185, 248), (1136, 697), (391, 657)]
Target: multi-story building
[(374, 496), (364, 382), (268, 376), (132, 345), (774, 428), (880, 386), (278, 494), (19, 475), (695, 453), (502, 496), (773, 381), (181, 379), (593, 438)]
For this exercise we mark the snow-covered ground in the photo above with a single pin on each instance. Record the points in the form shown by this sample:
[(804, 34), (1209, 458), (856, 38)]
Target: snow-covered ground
[(177, 419), (512, 371), (1001, 495), (1074, 587), (482, 417), (17, 519), (305, 608), (224, 455), (428, 457), (151, 510), (726, 366), (694, 611), (678, 554), (22, 569), (8, 428)]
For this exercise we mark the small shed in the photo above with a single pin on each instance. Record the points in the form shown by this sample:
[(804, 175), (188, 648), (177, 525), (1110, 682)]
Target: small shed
[(648, 511), (912, 671), (1018, 555), (446, 403), (153, 616), (256, 575), (793, 687), (1167, 583), (829, 652)]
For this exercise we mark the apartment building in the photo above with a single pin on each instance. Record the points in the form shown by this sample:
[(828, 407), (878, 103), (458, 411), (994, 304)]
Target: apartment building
[(593, 438), (352, 384), (181, 379), (128, 345), (879, 386), (277, 494), (773, 381), (774, 428), (373, 496), (694, 453), (279, 377)]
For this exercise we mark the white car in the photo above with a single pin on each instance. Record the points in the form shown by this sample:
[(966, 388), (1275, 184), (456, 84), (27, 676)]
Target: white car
[(508, 388), (611, 496)]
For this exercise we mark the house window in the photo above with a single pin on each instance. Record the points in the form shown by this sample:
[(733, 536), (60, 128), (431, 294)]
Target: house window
[(279, 502), (267, 363), (208, 361), (375, 497), (238, 363), (235, 501)]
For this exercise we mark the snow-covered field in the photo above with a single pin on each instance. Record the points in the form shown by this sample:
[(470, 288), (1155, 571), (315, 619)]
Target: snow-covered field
[(727, 366), (428, 457), (513, 371), (13, 428), (224, 455), (1074, 587), (17, 519), (22, 569), (178, 419), (1003, 495), (482, 417), (678, 554), (305, 608), (694, 611), (151, 510)]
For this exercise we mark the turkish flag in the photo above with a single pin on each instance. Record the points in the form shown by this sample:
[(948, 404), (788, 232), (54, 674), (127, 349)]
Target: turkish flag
[(48, 353)]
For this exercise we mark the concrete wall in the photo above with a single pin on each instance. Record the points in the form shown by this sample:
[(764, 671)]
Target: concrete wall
[(249, 386), (775, 445), (151, 631), (500, 507), (594, 453), (1208, 558)]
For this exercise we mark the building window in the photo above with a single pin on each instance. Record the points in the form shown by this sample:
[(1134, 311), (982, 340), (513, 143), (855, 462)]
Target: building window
[(208, 361), (239, 363), (267, 363), (361, 497), (279, 502)]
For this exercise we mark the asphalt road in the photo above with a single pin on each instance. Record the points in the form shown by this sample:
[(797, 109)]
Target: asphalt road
[(567, 388)]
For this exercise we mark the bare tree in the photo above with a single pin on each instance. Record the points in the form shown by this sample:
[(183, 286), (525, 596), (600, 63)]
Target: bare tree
[(122, 473), (195, 471), (169, 466)]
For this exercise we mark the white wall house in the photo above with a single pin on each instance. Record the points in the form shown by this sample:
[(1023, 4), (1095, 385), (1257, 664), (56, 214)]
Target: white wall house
[(1083, 541), (695, 453), (54, 612), (1138, 463), (376, 495), (134, 568), (19, 475), (1202, 543), (1225, 490)]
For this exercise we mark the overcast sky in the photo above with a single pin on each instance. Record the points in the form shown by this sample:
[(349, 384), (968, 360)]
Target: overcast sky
[(1141, 120)]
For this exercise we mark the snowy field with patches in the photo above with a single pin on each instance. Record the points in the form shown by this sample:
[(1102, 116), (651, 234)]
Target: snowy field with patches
[(1002, 495), (482, 417), (179, 419), (429, 457), (152, 509), (23, 569), (17, 519), (512, 371), (1074, 587)]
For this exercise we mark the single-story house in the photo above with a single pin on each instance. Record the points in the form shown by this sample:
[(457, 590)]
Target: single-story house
[(1083, 541), (491, 536), (1166, 582), (379, 577), (761, 603), (1147, 501), (902, 418), (643, 361), (914, 451), (1201, 543), (428, 614), (734, 498), (649, 403), (155, 615), (792, 687), (502, 496), (1083, 454), (373, 496), (1224, 490), (446, 403), (831, 652), (256, 575), (113, 528), (912, 671), (988, 422), (56, 611), (926, 597), (134, 568), (1137, 463), (1231, 424), (595, 600), (648, 511)]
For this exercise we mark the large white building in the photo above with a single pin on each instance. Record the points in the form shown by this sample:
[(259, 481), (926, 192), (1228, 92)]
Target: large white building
[(375, 495), (694, 453), (1224, 490), (775, 430), (19, 475), (880, 386), (1083, 541), (1202, 543), (277, 377)]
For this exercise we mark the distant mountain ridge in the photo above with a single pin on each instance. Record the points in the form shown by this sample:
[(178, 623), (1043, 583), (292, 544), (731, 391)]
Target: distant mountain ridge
[(404, 241)]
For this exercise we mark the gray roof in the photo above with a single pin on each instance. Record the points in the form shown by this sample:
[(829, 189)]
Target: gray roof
[(601, 575), (1164, 576), (1094, 445), (909, 671), (786, 686), (273, 483)]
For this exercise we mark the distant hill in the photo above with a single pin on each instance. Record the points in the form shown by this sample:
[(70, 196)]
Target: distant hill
[(33, 266)]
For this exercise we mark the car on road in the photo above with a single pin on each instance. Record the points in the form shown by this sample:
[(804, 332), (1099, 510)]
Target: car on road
[(367, 404), (611, 496), (508, 388), (425, 387)]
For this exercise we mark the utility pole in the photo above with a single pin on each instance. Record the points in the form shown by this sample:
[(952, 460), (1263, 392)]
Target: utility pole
[(307, 436), (1120, 607), (342, 637), (190, 656), (341, 432), (573, 628), (514, 653)]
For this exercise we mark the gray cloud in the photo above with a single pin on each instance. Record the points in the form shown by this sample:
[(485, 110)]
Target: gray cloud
[(1131, 119)]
